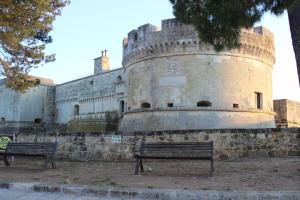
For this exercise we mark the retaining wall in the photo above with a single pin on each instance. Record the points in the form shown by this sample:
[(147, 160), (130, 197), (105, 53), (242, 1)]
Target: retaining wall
[(229, 144)]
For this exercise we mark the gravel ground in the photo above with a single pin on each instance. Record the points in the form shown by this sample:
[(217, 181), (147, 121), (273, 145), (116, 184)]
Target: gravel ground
[(249, 174)]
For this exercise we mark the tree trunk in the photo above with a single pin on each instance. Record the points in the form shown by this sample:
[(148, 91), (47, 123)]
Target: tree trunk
[(294, 19)]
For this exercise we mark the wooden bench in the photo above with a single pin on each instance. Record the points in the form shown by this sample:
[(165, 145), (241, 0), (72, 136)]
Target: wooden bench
[(176, 150), (46, 150)]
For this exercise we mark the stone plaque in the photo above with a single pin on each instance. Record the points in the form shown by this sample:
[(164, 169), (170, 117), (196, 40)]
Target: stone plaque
[(172, 80)]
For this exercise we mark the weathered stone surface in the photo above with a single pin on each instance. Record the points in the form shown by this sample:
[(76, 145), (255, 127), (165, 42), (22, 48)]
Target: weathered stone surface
[(229, 144), (179, 71)]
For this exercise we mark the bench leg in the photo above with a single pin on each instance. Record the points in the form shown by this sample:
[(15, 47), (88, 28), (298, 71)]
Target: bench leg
[(46, 163), (141, 165), (53, 163), (137, 165), (211, 167), (6, 161)]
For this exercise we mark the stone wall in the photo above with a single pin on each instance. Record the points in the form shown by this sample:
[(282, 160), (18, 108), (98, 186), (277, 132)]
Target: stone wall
[(229, 144), (185, 84), (287, 113), (92, 95), (35, 104)]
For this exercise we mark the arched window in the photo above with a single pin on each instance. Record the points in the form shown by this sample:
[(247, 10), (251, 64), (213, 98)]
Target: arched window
[(122, 106), (38, 120), (145, 105), (119, 78), (204, 104), (76, 110), (135, 37)]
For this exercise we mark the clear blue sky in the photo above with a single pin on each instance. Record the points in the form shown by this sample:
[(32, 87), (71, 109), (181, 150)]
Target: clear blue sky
[(87, 27)]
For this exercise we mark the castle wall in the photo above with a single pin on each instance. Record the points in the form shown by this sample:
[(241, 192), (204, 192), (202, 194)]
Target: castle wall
[(178, 71), (287, 113), (26, 107), (94, 94)]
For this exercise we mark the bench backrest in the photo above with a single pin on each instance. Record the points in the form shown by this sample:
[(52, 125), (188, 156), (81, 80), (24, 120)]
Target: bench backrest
[(45, 148), (176, 149)]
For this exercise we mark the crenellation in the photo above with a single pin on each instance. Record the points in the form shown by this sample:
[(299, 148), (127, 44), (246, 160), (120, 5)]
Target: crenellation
[(186, 39)]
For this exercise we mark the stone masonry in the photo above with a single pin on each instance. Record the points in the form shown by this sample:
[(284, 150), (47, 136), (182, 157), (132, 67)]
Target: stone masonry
[(229, 144)]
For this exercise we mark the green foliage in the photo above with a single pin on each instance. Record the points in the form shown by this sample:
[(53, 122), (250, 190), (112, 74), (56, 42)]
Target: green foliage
[(24, 29), (219, 22)]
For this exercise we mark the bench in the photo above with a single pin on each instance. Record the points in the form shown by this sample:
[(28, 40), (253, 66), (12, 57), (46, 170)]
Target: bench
[(176, 150), (45, 149)]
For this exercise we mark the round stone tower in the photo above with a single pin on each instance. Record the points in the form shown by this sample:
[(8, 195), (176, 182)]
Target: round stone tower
[(176, 82)]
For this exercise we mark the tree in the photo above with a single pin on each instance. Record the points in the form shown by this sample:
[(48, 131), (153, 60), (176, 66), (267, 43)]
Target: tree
[(219, 22), (24, 33)]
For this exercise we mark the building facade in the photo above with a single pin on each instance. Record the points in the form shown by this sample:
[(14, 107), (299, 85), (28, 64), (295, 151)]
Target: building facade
[(170, 80), (287, 113)]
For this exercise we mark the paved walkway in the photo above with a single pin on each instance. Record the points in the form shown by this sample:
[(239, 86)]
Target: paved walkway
[(9, 194), (38, 191)]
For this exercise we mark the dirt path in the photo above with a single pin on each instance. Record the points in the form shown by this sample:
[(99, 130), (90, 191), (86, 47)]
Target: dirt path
[(251, 174)]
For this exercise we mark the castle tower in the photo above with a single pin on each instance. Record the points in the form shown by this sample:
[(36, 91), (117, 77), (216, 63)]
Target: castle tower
[(175, 82), (101, 64)]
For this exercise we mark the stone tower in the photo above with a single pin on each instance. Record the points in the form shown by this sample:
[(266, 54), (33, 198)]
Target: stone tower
[(101, 64), (175, 82)]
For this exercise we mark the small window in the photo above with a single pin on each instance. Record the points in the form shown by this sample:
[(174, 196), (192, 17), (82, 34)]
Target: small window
[(76, 110), (235, 105), (122, 104), (38, 120), (128, 108), (146, 105), (119, 78), (258, 100), (135, 37), (91, 82), (204, 104), (2, 119), (170, 105)]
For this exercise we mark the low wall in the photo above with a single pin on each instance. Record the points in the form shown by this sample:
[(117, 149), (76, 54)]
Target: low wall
[(229, 144)]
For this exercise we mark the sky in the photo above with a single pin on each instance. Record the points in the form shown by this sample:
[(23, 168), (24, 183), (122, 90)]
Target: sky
[(85, 28)]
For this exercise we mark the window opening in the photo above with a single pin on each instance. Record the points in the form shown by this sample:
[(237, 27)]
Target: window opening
[(119, 78), (135, 37), (76, 110), (122, 104), (204, 104), (258, 100), (38, 120), (235, 105), (146, 105), (170, 105)]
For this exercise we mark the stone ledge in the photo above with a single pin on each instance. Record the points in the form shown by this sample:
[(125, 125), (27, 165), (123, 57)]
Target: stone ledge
[(211, 109), (134, 193)]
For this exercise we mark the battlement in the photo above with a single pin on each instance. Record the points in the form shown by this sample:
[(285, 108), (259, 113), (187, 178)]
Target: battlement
[(176, 38), (168, 23)]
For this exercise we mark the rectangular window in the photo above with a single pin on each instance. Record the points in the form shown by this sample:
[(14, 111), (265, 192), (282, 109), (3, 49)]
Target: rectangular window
[(258, 100), (170, 105), (235, 105)]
